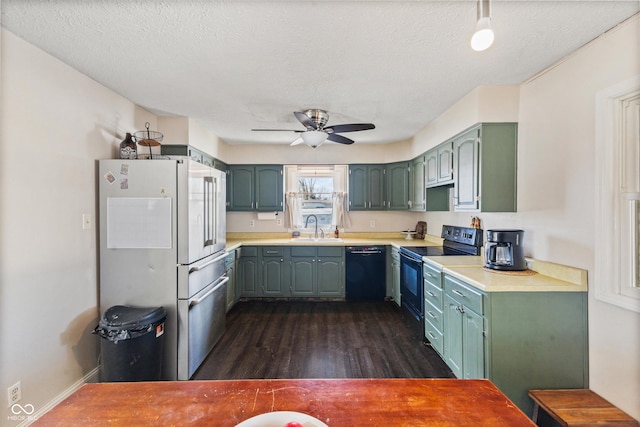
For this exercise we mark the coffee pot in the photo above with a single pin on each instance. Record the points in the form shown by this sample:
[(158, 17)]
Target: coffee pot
[(503, 250)]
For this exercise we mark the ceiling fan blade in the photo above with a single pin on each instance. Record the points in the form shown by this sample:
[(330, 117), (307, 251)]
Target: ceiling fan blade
[(276, 130), (305, 120), (298, 140), (353, 127), (339, 139)]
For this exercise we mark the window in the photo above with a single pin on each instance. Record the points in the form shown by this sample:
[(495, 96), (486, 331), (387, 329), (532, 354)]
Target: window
[(315, 192), (617, 250), (317, 199)]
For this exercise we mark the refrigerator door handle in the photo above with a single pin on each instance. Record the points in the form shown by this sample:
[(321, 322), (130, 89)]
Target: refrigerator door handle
[(195, 302), (208, 211), (208, 263), (214, 211)]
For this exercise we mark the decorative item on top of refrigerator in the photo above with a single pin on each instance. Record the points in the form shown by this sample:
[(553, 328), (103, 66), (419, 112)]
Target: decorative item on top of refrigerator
[(162, 243)]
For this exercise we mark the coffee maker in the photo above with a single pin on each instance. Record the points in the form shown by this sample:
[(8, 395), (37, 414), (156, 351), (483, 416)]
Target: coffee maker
[(503, 250)]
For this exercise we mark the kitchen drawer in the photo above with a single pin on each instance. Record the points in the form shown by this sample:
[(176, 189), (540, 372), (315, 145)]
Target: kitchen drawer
[(248, 251), (330, 251), (273, 251), (433, 294), (303, 251), (433, 315), (434, 336), (432, 275), (463, 293)]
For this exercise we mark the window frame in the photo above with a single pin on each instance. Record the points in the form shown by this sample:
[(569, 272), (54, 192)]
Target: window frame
[(617, 192), (337, 172)]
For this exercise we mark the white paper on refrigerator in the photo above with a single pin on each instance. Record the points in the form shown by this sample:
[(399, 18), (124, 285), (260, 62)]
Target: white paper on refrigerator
[(138, 223)]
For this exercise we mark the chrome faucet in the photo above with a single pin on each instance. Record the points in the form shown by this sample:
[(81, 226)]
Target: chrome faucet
[(316, 221)]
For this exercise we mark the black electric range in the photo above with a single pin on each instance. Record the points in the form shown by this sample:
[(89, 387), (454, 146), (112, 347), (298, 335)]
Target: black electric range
[(456, 241)]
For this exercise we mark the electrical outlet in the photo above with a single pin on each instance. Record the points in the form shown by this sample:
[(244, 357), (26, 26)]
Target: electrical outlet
[(372, 224), (14, 393), (278, 221), (252, 223)]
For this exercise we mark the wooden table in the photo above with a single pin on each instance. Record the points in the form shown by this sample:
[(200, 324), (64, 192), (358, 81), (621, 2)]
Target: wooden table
[(579, 408), (336, 402)]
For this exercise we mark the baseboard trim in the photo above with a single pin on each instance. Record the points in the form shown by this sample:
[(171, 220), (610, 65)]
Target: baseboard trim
[(92, 377)]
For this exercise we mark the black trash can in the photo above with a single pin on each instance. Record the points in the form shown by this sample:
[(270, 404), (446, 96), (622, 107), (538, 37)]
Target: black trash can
[(132, 343)]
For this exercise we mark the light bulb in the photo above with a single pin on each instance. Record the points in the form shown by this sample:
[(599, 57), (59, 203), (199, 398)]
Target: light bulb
[(483, 37)]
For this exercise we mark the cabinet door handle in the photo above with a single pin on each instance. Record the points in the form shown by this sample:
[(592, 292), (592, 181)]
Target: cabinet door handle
[(431, 294), (433, 316), (457, 292), (431, 335)]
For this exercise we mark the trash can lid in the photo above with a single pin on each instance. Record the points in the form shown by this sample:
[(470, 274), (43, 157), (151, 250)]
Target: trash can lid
[(122, 316)]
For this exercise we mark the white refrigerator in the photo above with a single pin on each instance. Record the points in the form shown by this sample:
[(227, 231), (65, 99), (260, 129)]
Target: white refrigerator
[(162, 243)]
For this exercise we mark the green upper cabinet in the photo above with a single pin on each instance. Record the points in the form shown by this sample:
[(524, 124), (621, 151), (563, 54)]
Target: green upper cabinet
[(418, 200), (255, 188), (269, 188), (367, 187), (398, 183), (445, 163), (240, 188), (439, 165), (485, 161)]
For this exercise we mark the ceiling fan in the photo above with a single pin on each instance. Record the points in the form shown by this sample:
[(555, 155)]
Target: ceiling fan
[(316, 132)]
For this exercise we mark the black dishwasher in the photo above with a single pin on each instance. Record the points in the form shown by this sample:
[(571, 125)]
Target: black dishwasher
[(365, 273)]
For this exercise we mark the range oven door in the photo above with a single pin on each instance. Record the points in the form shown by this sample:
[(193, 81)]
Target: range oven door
[(411, 287)]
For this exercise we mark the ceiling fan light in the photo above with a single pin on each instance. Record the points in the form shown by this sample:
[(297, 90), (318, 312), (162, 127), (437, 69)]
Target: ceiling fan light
[(314, 138), (483, 37)]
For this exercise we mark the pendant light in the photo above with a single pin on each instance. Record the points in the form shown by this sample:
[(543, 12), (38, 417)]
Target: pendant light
[(483, 37)]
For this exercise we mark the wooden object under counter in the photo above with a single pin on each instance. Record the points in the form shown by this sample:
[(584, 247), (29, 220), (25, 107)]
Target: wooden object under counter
[(336, 402)]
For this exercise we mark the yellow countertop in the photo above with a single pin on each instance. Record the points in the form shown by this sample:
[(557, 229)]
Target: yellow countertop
[(498, 281), (543, 276), (236, 240)]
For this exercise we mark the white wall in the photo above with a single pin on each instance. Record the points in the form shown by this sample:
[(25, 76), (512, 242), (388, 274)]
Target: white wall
[(55, 123), (556, 192)]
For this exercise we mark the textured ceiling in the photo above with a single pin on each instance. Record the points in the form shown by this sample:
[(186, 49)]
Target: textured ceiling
[(237, 65)]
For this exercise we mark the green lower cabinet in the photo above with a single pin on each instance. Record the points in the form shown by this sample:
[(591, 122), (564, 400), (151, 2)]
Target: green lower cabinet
[(317, 271), (453, 338), (518, 340), (274, 280), (473, 342), (247, 272), (303, 276), (330, 277), (275, 277)]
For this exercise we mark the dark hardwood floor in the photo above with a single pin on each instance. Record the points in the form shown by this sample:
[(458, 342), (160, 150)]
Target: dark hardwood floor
[(309, 339)]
